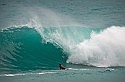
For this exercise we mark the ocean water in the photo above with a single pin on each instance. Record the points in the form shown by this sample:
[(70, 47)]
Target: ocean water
[(86, 37)]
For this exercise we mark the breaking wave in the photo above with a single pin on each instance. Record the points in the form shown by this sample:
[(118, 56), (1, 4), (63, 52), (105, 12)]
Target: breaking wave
[(30, 48)]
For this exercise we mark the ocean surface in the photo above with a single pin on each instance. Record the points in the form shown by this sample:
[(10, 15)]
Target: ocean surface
[(85, 36)]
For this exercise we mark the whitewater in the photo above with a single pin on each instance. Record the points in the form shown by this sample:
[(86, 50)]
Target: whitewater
[(102, 49)]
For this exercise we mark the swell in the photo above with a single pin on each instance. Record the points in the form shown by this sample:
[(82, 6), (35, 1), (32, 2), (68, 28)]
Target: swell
[(24, 49)]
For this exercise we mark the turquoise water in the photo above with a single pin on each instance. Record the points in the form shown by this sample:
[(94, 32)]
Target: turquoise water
[(86, 37), (20, 51)]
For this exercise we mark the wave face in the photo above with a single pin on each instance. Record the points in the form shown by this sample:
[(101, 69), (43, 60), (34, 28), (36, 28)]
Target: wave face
[(24, 48)]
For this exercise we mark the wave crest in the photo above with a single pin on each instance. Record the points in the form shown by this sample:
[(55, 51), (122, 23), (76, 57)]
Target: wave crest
[(102, 49)]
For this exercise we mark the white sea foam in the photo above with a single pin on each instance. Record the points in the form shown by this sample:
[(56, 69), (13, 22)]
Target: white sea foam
[(45, 73), (103, 49), (22, 74), (12, 75), (76, 69)]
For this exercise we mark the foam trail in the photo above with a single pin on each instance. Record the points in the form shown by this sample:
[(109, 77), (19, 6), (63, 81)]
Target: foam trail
[(22, 74), (103, 49)]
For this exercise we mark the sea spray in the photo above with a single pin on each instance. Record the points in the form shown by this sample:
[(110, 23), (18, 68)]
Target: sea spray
[(102, 49)]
